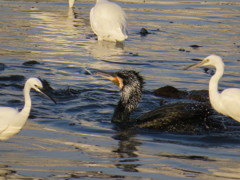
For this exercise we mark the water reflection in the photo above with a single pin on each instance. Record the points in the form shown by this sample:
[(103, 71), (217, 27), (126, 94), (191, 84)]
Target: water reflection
[(104, 50), (59, 27), (69, 33), (65, 142), (127, 150)]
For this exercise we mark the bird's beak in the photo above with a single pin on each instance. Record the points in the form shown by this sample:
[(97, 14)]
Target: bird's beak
[(111, 76), (39, 89), (195, 65)]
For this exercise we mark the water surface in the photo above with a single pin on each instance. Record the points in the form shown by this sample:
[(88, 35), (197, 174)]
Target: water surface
[(75, 138)]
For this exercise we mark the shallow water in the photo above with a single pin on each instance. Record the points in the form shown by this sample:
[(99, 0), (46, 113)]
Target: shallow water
[(75, 138)]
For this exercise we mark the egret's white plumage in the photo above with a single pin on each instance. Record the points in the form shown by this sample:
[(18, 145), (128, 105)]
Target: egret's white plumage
[(228, 101), (71, 3), (108, 21), (12, 120)]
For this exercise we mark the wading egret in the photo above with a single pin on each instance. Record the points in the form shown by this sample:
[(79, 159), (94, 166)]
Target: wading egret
[(71, 3), (228, 101), (108, 21), (12, 120), (177, 117)]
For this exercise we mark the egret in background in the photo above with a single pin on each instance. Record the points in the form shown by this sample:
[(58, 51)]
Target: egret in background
[(108, 21), (11, 120), (228, 101), (71, 3)]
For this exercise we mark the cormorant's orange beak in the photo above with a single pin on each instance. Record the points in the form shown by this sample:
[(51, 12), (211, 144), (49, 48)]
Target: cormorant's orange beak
[(112, 77)]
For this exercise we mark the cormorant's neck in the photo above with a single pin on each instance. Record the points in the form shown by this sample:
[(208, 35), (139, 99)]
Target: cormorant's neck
[(121, 113), (130, 97)]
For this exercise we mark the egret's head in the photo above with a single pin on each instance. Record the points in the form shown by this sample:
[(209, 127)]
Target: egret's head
[(37, 85), (212, 60)]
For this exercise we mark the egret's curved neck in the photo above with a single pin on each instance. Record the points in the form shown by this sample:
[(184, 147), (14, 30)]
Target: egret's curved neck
[(213, 83), (27, 104)]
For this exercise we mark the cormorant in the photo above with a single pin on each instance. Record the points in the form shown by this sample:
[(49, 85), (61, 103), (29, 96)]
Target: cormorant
[(184, 117)]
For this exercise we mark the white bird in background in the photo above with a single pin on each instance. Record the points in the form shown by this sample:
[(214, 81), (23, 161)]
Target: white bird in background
[(71, 3), (108, 21), (228, 101), (11, 120)]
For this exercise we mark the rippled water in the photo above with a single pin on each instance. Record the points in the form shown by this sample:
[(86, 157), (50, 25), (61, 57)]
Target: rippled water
[(75, 138)]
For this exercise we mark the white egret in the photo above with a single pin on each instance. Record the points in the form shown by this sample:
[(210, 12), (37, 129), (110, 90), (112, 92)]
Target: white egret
[(108, 21), (228, 101), (11, 120), (71, 3)]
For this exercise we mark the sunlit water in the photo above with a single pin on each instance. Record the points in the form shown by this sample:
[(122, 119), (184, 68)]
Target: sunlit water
[(75, 138)]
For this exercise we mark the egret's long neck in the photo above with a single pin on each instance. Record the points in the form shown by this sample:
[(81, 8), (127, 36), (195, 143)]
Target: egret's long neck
[(27, 104), (213, 83)]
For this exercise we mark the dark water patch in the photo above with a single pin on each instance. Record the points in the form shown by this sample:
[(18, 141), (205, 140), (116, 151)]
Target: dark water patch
[(31, 63), (183, 50), (91, 174), (189, 157), (15, 86), (91, 36), (18, 78), (196, 59), (222, 139), (133, 54), (209, 71), (83, 108), (61, 94), (2, 67), (144, 32), (172, 92), (194, 46), (66, 94), (42, 153), (125, 63), (17, 102)]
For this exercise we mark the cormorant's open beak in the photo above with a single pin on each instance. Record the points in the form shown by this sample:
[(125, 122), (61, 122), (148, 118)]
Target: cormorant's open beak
[(195, 65), (112, 77)]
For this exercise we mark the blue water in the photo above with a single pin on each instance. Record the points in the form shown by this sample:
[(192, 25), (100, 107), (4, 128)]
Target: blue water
[(75, 138)]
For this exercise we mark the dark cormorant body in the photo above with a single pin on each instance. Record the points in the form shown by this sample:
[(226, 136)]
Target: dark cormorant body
[(193, 118)]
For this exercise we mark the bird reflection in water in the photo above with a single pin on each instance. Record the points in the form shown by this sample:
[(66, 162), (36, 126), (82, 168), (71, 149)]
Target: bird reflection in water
[(127, 149), (106, 51)]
